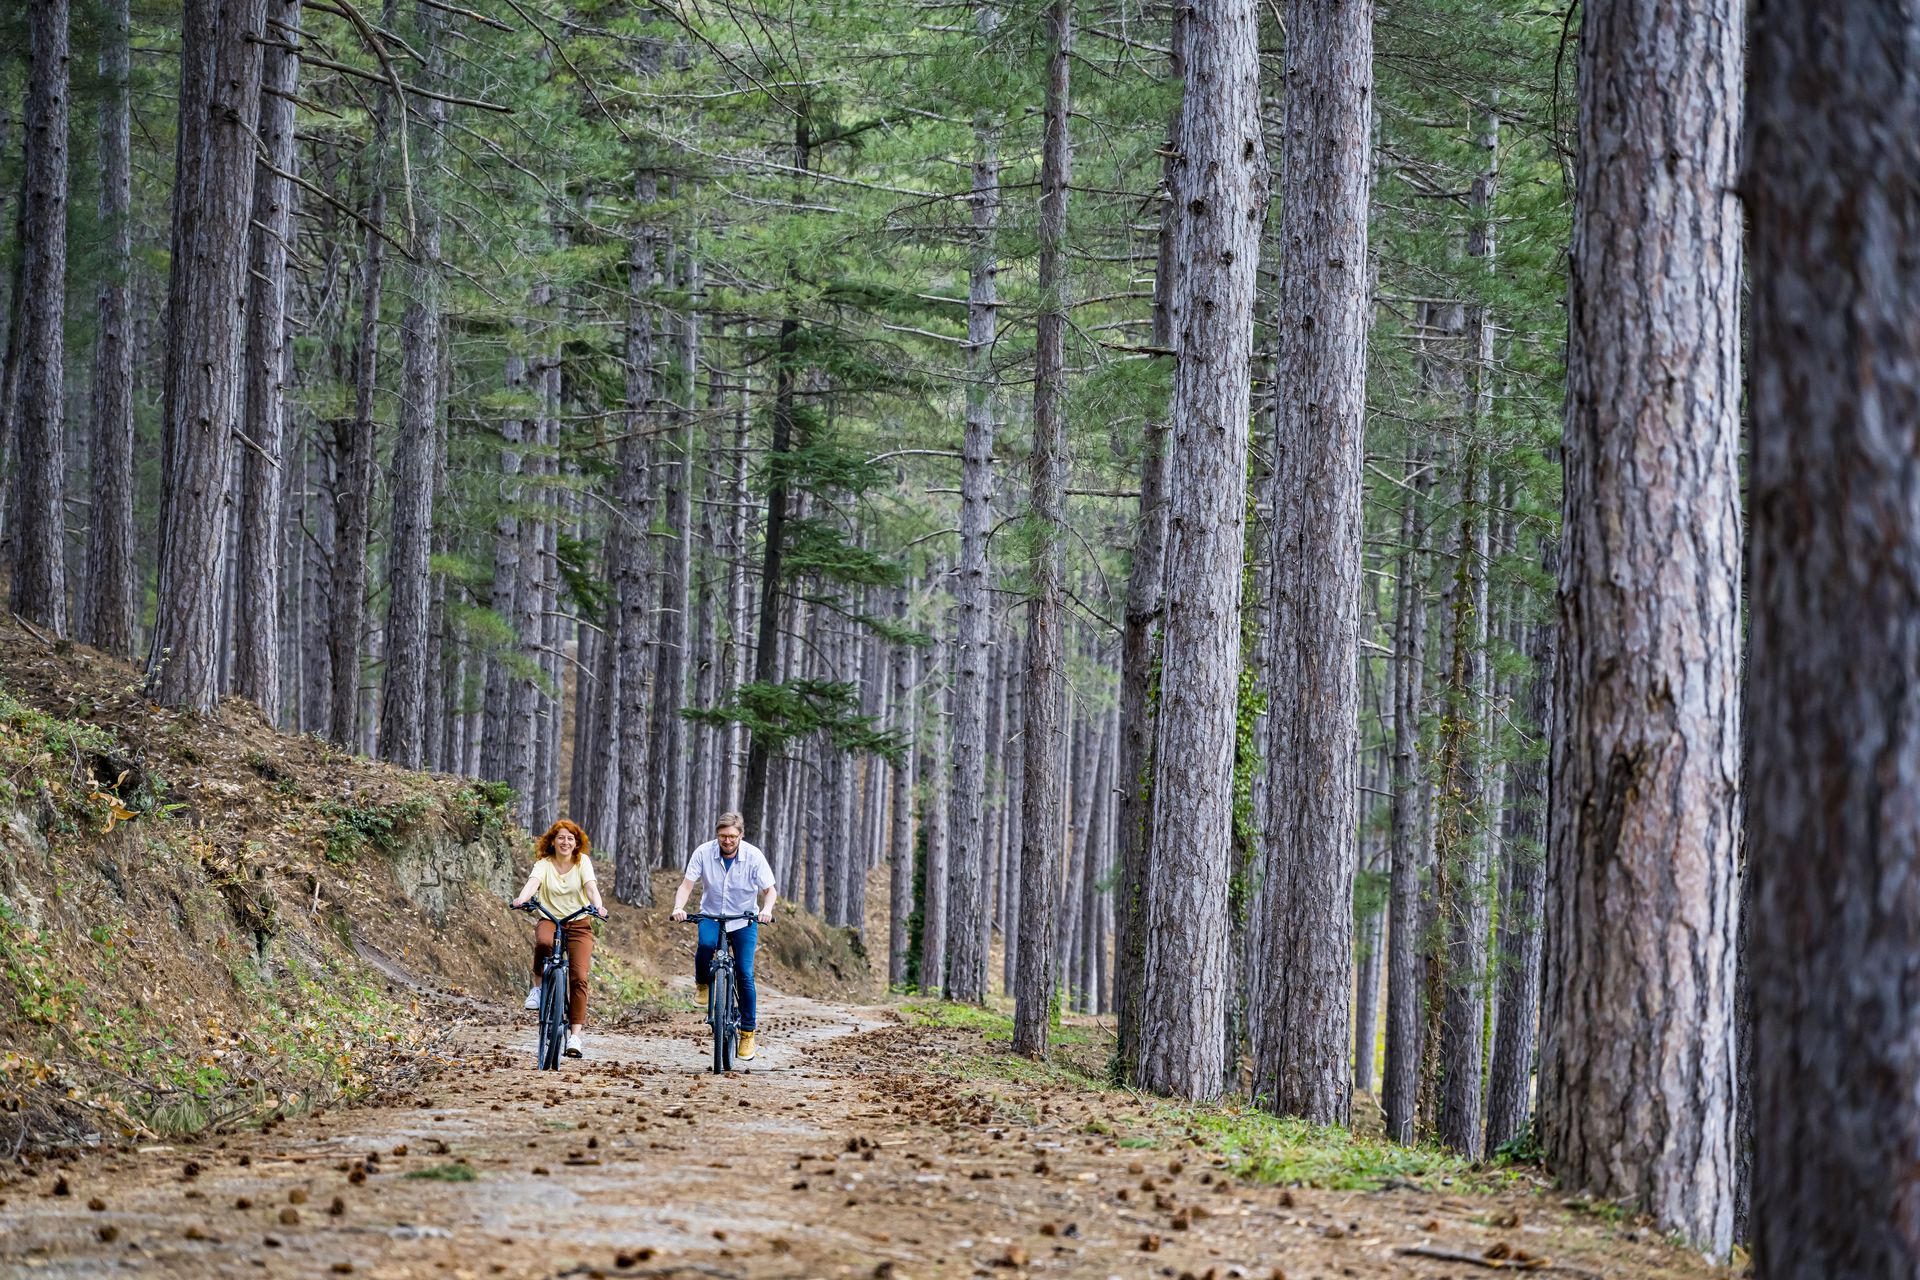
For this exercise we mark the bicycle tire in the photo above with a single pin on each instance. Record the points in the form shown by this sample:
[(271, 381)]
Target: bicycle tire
[(553, 1018), (723, 1023)]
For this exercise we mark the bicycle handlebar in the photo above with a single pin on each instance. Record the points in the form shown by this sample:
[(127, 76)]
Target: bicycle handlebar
[(532, 905), (745, 915)]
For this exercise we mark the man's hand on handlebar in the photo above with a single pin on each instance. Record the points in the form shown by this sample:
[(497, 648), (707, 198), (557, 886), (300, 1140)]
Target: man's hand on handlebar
[(766, 917), (679, 914)]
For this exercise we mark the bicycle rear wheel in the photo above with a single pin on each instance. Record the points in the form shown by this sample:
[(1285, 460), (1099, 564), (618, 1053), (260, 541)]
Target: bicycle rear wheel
[(553, 1018), (723, 1020)]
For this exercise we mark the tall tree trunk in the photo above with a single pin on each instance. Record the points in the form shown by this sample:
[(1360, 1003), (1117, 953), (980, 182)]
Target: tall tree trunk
[(213, 200), (1083, 757), (1045, 737), (1224, 194), (1372, 930), (1016, 805), (739, 606), (498, 727), (39, 541), (671, 691), (766, 649), (1145, 575), (403, 707), (106, 605), (1835, 845), (1306, 927), (1456, 1022), (933, 901), (1400, 1084), (900, 838), (632, 517), (1509, 1091), (256, 656), (971, 876), (1636, 1079), (353, 444)]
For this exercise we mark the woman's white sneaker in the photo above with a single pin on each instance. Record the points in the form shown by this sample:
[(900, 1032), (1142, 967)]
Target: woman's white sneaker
[(573, 1044), (533, 997)]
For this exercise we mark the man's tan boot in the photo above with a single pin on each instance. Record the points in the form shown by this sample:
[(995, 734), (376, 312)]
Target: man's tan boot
[(700, 990), (746, 1045)]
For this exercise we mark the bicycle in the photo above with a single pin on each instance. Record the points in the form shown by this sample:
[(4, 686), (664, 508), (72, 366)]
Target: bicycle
[(723, 1000), (553, 987)]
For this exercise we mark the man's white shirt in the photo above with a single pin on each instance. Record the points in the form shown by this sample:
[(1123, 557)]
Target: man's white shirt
[(729, 886)]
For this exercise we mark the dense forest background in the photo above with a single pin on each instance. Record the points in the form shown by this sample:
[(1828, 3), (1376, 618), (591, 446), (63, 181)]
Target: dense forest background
[(858, 415)]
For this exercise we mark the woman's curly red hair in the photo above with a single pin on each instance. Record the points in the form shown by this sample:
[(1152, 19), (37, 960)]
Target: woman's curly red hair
[(544, 845)]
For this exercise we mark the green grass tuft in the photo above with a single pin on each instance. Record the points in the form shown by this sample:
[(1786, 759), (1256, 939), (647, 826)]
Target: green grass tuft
[(446, 1173)]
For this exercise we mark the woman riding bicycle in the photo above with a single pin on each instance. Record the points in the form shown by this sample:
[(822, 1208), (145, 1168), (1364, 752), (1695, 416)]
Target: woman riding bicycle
[(564, 882)]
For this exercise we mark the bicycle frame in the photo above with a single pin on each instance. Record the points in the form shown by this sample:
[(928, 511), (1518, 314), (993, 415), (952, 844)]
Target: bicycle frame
[(554, 972), (723, 1009)]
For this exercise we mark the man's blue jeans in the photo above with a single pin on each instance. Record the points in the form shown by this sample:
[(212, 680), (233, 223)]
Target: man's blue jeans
[(744, 941)]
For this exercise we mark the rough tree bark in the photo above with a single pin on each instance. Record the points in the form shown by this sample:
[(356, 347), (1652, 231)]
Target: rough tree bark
[(1045, 686), (1636, 1078), (1224, 195), (670, 728), (403, 705), (969, 869), (933, 889), (900, 838), (106, 605), (1455, 1015), (1401, 1079), (256, 673), (213, 199), (39, 534), (1832, 158), (1508, 1087), (767, 644), (353, 445), (633, 664), (1145, 574), (497, 727), (1306, 929)]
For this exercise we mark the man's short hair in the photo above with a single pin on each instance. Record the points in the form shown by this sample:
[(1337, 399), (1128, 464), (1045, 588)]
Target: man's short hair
[(731, 819)]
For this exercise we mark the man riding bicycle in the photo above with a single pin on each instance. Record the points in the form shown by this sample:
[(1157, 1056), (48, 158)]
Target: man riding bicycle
[(736, 880)]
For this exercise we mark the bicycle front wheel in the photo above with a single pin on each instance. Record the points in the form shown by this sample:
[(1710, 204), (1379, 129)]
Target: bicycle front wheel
[(724, 1019), (553, 1019)]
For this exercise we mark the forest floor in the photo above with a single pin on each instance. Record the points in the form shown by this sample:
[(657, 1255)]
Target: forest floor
[(891, 1142)]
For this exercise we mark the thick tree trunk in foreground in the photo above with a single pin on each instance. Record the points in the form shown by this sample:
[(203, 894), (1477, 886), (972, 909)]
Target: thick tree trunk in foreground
[(106, 618), (1224, 190), (39, 537), (1306, 928), (1046, 660), (1833, 155), (1636, 1078), (1145, 574), (213, 199)]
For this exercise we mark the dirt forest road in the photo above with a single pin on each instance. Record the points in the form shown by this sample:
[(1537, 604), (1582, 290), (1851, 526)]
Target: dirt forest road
[(843, 1150)]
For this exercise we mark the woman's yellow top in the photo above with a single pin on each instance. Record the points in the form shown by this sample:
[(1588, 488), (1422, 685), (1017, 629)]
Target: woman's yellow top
[(562, 893)]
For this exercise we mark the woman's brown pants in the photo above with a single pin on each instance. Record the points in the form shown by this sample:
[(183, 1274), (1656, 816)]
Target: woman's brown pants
[(579, 960)]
